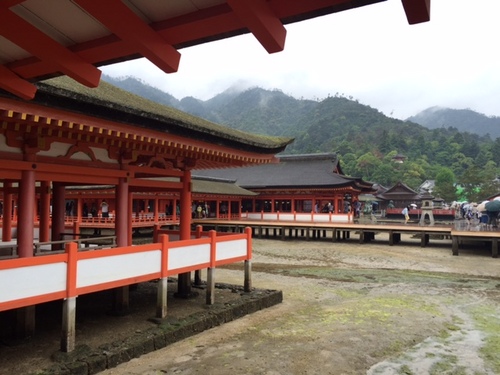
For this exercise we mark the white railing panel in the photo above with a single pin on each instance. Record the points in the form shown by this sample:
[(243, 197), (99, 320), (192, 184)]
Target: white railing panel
[(321, 218), (32, 281), (187, 256), (231, 249), (117, 267), (303, 217), (286, 217), (254, 216), (340, 218), (269, 216)]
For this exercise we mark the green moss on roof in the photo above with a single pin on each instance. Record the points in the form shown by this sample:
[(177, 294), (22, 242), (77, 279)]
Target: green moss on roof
[(112, 97)]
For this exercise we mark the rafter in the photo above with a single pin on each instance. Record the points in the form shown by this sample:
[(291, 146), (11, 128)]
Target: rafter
[(184, 30), (125, 24), (11, 82), (417, 11), (29, 38), (262, 23)]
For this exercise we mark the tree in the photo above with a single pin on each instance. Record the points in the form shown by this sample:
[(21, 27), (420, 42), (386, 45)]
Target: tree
[(444, 186), (471, 182)]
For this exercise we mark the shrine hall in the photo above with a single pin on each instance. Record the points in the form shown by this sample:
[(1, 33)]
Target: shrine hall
[(57, 133)]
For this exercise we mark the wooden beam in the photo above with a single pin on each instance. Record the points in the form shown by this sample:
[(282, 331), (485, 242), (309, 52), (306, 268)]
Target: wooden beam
[(11, 82), (262, 23), (31, 39), (153, 185), (124, 23), (417, 11)]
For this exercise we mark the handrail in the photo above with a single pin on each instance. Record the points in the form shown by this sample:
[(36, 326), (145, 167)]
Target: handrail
[(83, 243)]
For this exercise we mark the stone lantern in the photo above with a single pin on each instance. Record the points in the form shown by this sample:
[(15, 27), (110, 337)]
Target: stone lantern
[(426, 208)]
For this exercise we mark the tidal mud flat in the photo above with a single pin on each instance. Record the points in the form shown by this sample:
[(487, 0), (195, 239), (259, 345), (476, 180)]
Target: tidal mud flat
[(352, 308)]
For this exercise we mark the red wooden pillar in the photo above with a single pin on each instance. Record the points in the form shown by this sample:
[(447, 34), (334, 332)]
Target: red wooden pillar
[(129, 216), (58, 212), (7, 211), (26, 211), (25, 317), (79, 209), (121, 300), (185, 201), (184, 283), (157, 210), (174, 210), (44, 235), (121, 211)]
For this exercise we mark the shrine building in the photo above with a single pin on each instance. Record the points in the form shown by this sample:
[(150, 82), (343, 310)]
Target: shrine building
[(58, 134)]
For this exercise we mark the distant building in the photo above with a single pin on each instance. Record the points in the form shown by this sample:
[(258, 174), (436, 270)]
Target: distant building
[(297, 183)]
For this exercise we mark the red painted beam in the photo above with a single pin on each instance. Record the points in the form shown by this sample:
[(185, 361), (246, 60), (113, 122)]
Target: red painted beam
[(11, 82), (417, 11), (259, 18), (191, 29), (124, 23), (29, 38)]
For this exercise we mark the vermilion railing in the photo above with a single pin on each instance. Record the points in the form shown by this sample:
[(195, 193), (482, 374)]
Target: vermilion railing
[(46, 278), (299, 216)]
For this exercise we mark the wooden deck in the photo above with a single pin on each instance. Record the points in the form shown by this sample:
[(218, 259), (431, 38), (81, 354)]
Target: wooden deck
[(366, 231)]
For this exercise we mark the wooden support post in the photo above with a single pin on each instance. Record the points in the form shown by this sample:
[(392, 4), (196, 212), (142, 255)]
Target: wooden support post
[(197, 273), (162, 291), (161, 298), (494, 248), (210, 292), (68, 336), (210, 296), (391, 238), (454, 245), (247, 285), (424, 241), (25, 322)]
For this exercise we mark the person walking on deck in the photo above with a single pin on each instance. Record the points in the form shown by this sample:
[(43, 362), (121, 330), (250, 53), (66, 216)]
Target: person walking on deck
[(406, 214)]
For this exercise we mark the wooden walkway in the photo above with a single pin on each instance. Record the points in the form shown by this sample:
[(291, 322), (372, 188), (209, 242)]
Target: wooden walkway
[(366, 231)]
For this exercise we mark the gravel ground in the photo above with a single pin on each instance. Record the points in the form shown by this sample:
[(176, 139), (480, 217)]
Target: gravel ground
[(352, 308)]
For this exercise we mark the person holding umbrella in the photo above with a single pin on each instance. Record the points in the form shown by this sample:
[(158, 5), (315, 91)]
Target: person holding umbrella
[(492, 208)]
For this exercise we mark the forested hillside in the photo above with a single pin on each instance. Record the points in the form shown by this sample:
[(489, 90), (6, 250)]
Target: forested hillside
[(462, 119), (365, 139)]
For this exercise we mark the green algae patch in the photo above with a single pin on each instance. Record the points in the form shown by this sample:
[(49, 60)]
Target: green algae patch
[(389, 276), (380, 309), (487, 320)]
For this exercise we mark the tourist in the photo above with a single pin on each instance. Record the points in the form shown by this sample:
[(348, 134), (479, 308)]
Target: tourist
[(406, 214)]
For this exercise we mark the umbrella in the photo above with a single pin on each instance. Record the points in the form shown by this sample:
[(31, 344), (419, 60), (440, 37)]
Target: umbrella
[(493, 206), (413, 205), (481, 206)]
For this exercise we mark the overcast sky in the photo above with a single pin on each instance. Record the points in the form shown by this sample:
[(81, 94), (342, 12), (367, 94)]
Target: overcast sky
[(371, 54)]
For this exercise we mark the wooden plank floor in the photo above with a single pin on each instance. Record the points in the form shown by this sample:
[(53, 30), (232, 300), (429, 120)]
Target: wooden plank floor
[(366, 231)]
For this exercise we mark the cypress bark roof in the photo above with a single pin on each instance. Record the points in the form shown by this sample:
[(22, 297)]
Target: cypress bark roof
[(399, 191), (293, 171), (112, 103)]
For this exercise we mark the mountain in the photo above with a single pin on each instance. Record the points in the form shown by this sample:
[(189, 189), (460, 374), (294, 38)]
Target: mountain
[(464, 120), (366, 140), (335, 123)]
